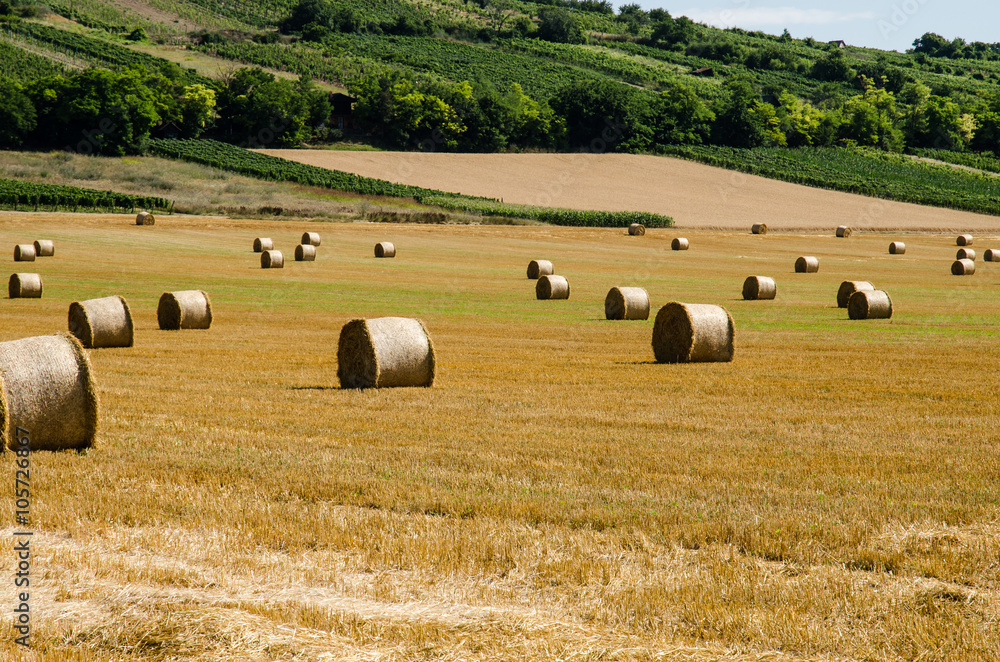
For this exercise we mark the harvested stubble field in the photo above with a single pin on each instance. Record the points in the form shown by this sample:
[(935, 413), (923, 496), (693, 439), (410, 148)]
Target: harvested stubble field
[(831, 494)]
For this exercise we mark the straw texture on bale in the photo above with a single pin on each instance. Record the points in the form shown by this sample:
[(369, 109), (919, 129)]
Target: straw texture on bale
[(964, 240), (963, 268), (311, 239), (626, 303), (637, 229), (693, 333), (187, 309), (539, 268), (25, 286), (679, 244), (261, 244), (47, 390), (759, 228), (24, 253), (844, 231), (897, 248), (384, 352), (385, 249), (807, 264), (759, 287), (272, 260), (105, 322), (552, 287), (305, 253), (991, 255), (869, 305), (145, 218), (966, 254), (849, 287), (45, 248)]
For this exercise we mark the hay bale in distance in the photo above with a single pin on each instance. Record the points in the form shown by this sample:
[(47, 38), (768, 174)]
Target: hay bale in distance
[(47, 390), (679, 244), (637, 229), (626, 303), (24, 253), (869, 305), (807, 264), (272, 260), (966, 254), (849, 287), (104, 322), (145, 218), (693, 333), (897, 248), (385, 249), (552, 287), (759, 287), (539, 268), (25, 286), (964, 240), (261, 244), (45, 247), (991, 255), (844, 231), (758, 228), (186, 309), (384, 352), (963, 268), (305, 253), (310, 239)]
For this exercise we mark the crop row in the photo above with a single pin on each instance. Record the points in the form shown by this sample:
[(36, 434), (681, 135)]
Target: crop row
[(21, 65), (978, 160), (20, 195)]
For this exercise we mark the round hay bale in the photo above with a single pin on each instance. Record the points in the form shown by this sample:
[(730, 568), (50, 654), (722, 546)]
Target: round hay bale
[(637, 229), (759, 228), (897, 248), (849, 287), (539, 268), (261, 244), (966, 254), (105, 322), (964, 240), (45, 248), (692, 333), (385, 249), (384, 352), (807, 264), (963, 268), (991, 255), (187, 309), (25, 286), (626, 303), (305, 253), (759, 287), (310, 239), (47, 391), (24, 253), (145, 218), (552, 287), (869, 305), (679, 244), (272, 260), (844, 231)]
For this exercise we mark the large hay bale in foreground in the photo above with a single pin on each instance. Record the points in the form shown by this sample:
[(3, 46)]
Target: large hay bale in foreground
[(692, 333), (272, 260), (261, 244), (383, 352), (45, 247), (964, 240), (305, 253), (679, 244), (24, 253), (897, 248), (25, 286), (991, 255), (104, 322), (844, 231), (759, 287), (385, 249), (966, 254), (552, 287), (310, 239), (539, 268), (869, 305), (47, 391), (637, 229), (186, 309), (849, 287), (627, 303), (145, 218), (807, 264), (758, 228), (963, 268)]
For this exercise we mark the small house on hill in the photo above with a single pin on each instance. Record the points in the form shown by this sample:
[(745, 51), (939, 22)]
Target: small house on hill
[(704, 71), (839, 43), (342, 110)]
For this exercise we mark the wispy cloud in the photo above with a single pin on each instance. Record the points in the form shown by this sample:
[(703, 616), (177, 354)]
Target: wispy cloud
[(772, 16)]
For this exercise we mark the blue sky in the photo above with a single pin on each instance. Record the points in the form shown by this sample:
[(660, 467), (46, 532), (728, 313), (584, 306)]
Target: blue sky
[(884, 24)]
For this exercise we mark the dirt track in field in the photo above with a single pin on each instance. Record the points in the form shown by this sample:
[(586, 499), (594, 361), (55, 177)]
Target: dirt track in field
[(696, 195)]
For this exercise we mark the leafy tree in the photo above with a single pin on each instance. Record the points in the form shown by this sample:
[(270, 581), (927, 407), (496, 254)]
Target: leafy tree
[(670, 31), (741, 121), (604, 116), (393, 105), (679, 116), (834, 67), (799, 122), (262, 110), (197, 109), (560, 26), (872, 119), (17, 115)]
